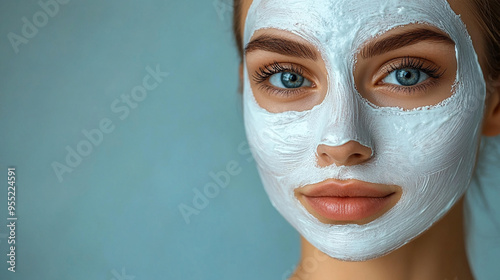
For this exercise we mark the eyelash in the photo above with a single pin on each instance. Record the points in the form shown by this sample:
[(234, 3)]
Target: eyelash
[(433, 71), (263, 74)]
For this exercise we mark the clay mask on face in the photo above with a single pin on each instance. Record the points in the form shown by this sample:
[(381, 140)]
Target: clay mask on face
[(429, 151)]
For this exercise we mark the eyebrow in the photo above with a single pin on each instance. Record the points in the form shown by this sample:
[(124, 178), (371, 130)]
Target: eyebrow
[(282, 46), (402, 40)]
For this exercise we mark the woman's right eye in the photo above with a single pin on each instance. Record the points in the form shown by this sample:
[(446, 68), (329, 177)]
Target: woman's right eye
[(406, 77), (289, 80)]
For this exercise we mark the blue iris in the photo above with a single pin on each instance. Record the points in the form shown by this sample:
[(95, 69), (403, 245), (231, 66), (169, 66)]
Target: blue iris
[(408, 76), (291, 80)]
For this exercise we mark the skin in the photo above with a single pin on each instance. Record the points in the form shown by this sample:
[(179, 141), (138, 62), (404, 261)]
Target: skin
[(369, 74), (438, 253)]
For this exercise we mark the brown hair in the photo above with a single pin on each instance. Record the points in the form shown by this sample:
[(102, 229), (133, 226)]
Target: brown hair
[(486, 12), (237, 27)]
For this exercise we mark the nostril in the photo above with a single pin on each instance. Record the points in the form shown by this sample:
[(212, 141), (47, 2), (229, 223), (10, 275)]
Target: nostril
[(351, 153), (361, 156)]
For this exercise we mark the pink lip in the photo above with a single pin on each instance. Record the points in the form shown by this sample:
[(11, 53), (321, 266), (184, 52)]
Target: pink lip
[(348, 200)]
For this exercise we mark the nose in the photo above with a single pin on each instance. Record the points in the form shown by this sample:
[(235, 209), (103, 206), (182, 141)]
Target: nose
[(350, 153)]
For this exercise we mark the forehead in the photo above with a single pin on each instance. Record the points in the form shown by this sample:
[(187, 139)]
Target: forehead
[(342, 22)]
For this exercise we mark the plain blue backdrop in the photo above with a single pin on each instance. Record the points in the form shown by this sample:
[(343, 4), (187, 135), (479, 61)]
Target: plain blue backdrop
[(112, 212)]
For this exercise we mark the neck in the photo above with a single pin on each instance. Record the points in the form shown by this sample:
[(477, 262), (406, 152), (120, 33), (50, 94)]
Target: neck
[(439, 253)]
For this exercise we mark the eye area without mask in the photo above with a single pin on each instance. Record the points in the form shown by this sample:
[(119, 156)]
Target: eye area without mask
[(282, 52), (419, 73)]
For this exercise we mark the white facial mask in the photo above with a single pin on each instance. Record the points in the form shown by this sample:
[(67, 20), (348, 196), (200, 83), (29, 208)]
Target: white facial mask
[(429, 151)]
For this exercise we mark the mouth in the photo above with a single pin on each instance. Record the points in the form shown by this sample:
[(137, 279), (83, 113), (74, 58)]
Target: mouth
[(345, 202)]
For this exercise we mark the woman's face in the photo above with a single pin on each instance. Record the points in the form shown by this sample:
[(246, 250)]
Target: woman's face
[(363, 117)]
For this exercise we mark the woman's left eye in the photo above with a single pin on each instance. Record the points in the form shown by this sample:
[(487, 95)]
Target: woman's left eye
[(289, 80), (405, 77)]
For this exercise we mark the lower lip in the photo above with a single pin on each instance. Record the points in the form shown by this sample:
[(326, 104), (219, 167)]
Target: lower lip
[(348, 208)]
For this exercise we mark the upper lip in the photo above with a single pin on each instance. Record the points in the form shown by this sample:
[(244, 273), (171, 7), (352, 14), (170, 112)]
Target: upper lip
[(350, 188)]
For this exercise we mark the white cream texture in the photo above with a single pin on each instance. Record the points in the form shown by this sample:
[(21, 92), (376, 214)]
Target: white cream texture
[(429, 151)]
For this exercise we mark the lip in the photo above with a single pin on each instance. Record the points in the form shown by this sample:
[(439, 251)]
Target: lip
[(352, 201)]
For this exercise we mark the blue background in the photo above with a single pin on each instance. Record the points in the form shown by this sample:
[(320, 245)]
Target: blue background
[(116, 214)]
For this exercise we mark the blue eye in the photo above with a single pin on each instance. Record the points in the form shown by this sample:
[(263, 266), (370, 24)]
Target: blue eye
[(406, 77), (288, 80)]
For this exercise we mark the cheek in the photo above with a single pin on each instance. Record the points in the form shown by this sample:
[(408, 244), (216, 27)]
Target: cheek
[(422, 144)]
